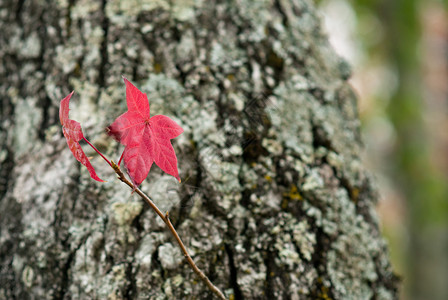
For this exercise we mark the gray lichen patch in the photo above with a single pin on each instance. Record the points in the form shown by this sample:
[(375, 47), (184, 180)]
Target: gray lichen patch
[(304, 239), (125, 213), (26, 125), (184, 10), (352, 282), (146, 249), (204, 235), (164, 192), (170, 256), (291, 114), (312, 181), (83, 105)]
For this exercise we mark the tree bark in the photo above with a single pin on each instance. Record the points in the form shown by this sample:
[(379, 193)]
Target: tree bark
[(275, 202)]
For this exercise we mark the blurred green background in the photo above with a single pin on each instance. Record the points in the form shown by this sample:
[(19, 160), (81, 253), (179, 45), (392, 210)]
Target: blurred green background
[(399, 53)]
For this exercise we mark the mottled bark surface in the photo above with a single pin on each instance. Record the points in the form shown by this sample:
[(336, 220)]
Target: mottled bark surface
[(274, 203)]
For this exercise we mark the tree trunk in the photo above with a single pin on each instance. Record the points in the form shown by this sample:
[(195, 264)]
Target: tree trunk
[(274, 202)]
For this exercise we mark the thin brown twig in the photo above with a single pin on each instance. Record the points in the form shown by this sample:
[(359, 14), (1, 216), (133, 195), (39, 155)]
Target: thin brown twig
[(167, 221)]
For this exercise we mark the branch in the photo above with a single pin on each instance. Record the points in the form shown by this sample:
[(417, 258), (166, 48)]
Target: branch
[(167, 221)]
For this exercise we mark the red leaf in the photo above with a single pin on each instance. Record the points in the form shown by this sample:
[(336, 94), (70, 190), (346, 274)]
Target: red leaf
[(147, 139), (73, 134)]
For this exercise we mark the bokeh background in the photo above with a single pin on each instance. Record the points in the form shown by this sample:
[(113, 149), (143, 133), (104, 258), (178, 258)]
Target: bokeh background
[(398, 50)]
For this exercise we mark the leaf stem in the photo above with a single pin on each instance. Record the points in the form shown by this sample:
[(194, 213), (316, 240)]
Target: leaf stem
[(97, 151), (121, 157), (167, 221)]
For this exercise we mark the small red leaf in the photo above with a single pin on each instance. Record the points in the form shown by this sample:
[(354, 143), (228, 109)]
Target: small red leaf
[(73, 134), (147, 139)]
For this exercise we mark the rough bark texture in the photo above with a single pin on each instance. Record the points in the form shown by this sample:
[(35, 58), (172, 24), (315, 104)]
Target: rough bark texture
[(275, 202)]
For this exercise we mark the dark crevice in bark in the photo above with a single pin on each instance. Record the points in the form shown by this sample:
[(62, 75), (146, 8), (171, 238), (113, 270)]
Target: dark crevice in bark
[(219, 105), (97, 249), (137, 224), (103, 47), (297, 247), (277, 63), (190, 189), (79, 65), (269, 262), (353, 192), (363, 196), (211, 196), (65, 281), (137, 62), (257, 110), (318, 94), (233, 280), (265, 56), (131, 289), (46, 105), (151, 43), (255, 128), (6, 171), (320, 139), (252, 147), (186, 201), (7, 121), (281, 10), (68, 18), (11, 224), (319, 260), (10, 63), (11, 285), (183, 74), (245, 195), (156, 264), (277, 279), (109, 260), (177, 34), (61, 216), (292, 196), (359, 195), (19, 11), (44, 101)]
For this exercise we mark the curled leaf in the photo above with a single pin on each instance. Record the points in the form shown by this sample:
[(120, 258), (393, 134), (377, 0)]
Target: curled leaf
[(73, 134)]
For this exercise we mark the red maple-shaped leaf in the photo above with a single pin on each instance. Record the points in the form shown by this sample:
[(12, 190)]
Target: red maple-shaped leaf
[(73, 134), (147, 139)]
